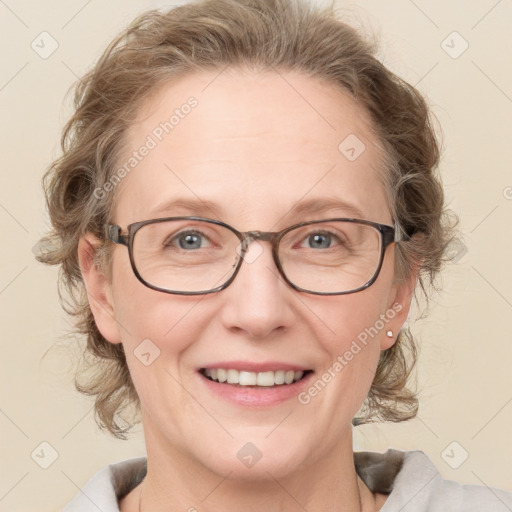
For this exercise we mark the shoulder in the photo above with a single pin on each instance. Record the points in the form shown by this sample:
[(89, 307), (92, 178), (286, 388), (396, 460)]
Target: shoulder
[(413, 483), (107, 486)]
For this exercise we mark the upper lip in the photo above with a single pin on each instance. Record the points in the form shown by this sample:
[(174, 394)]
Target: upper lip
[(251, 366)]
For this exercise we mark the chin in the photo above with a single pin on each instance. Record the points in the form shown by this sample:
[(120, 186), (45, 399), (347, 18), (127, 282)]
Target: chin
[(248, 461), (268, 468)]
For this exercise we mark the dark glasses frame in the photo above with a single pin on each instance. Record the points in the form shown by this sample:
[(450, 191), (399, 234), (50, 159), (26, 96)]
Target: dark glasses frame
[(387, 233)]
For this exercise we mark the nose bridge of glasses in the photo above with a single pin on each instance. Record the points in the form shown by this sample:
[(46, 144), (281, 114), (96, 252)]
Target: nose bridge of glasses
[(265, 236)]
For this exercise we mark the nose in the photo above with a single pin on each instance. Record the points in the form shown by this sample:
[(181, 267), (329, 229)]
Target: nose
[(257, 299)]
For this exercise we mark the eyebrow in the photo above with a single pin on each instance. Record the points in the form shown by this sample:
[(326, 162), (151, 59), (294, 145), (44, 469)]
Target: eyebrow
[(326, 204), (196, 206), (202, 207)]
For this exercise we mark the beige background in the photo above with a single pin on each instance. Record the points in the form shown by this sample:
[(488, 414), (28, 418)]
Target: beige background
[(465, 374)]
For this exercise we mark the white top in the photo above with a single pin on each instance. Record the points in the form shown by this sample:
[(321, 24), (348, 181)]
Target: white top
[(408, 477)]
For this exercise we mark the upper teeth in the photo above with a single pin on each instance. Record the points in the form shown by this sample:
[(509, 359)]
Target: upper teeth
[(243, 378)]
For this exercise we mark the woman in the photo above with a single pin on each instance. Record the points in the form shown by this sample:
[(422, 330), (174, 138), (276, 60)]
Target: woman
[(274, 188)]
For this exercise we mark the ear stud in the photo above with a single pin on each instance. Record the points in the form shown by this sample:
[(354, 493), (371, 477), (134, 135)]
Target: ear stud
[(389, 334)]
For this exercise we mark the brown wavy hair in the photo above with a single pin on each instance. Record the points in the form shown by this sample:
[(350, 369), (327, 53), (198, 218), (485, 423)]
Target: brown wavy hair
[(267, 35)]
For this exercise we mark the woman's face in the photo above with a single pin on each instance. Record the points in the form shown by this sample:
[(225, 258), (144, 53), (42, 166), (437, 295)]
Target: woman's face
[(257, 145)]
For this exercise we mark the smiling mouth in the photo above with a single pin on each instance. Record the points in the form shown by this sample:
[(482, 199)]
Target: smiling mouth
[(253, 379)]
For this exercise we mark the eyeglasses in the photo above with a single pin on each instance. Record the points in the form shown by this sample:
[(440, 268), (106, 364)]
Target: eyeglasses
[(195, 255)]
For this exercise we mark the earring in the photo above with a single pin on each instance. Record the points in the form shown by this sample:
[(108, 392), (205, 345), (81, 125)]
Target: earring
[(389, 334)]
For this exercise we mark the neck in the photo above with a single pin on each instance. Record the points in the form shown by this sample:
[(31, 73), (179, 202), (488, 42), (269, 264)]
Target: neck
[(177, 482)]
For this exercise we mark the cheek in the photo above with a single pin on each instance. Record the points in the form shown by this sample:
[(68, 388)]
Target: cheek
[(362, 315), (157, 329), (356, 324), (353, 320), (170, 322)]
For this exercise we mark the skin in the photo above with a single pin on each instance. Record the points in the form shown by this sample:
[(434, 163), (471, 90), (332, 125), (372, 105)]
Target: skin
[(255, 145)]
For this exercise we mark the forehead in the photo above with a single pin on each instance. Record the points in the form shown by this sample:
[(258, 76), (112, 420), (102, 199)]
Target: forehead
[(254, 143)]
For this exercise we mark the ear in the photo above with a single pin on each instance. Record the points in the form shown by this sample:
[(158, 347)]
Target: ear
[(400, 302), (99, 289)]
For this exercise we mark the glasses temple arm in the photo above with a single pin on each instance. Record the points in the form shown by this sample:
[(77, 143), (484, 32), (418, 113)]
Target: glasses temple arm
[(113, 232)]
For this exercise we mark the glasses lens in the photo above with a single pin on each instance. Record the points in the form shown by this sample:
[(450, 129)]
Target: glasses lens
[(185, 255), (330, 256)]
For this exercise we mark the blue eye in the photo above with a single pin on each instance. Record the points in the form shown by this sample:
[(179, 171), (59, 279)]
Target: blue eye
[(190, 241), (187, 240), (320, 240)]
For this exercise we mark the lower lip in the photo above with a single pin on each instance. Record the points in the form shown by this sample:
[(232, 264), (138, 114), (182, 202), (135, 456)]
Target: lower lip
[(262, 396)]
